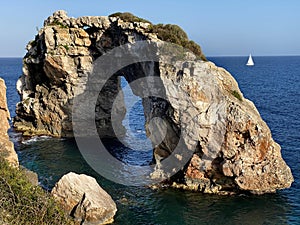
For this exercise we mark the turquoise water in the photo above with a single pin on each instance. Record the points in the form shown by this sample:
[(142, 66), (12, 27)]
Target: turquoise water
[(272, 84)]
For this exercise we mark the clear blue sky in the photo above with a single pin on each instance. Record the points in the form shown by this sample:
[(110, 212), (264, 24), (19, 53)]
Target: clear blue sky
[(221, 27)]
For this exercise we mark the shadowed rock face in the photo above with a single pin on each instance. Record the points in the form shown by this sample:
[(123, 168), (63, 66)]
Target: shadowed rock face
[(6, 146), (232, 148)]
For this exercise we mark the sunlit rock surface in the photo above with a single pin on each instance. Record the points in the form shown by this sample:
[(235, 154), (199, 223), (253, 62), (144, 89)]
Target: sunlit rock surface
[(83, 199), (6, 146)]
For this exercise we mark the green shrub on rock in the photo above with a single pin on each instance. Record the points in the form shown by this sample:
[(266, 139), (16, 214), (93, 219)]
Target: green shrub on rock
[(23, 203), (169, 32), (128, 17), (166, 32), (237, 95), (174, 34)]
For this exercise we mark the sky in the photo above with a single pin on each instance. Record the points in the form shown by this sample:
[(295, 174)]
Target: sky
[(220, 27)]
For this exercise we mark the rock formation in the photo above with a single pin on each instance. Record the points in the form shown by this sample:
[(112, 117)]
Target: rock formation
[(203, 107), (6, 146), (82, 198)]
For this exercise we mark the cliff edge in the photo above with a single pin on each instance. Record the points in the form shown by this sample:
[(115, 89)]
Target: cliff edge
[(7, 150)]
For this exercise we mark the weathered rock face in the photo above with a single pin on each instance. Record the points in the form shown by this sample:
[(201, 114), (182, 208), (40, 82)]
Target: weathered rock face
[(6, 146), (232, 148), (82, 198)]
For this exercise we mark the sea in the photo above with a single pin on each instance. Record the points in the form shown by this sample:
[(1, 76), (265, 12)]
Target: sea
[(273, 84)]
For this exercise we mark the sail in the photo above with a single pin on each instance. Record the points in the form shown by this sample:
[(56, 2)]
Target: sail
[(250, 61)]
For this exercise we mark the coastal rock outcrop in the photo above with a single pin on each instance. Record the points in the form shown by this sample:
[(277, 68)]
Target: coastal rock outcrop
[(6, 146), (83, 199), (231, 148)]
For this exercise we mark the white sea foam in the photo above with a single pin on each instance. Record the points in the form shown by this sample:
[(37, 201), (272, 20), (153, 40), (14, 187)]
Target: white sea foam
[(141, 131), (35, 139)]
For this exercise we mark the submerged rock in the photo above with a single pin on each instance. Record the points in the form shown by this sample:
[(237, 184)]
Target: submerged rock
[(31, 176), (6, 146), (203, 113), (83, 199)]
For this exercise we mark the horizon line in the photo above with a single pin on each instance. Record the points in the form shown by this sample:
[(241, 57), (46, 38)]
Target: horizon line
[(208, 56)]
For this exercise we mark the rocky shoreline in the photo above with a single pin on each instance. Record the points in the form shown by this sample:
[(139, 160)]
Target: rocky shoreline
[(89, 205)]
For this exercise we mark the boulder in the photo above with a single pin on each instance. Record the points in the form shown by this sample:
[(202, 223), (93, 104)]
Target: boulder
[(82, 198)]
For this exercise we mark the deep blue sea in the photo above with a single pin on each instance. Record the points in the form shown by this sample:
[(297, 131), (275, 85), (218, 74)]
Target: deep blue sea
[(273, 84)]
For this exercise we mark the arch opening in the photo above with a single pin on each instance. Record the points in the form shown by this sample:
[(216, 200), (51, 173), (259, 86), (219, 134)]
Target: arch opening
[(135, 127)]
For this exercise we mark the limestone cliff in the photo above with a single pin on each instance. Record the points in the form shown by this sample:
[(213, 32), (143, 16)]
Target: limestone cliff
[(6, 146), (203, 107)]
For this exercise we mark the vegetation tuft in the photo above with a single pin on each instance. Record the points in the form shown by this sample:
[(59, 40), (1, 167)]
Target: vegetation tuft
[(128, 17), (57, 23), (66, 47), (166, 32), (23, 203), (174, 34), (237, 95)]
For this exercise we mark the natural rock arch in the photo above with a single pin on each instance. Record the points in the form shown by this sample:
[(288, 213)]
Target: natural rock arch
[(234, 150)]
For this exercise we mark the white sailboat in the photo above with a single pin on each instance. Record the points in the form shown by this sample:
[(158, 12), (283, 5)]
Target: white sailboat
[(250, 61)]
